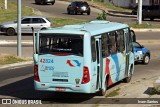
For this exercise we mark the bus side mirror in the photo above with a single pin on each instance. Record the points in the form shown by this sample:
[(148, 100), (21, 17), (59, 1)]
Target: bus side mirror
[(133, 36)]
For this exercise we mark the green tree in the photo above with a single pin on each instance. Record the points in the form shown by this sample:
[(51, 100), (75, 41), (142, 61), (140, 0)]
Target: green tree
[(102, 16)]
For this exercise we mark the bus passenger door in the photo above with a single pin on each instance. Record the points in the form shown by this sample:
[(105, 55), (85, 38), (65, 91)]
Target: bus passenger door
[(99, 62), (126, 31)]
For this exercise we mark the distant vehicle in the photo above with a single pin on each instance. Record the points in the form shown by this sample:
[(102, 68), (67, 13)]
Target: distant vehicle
[(78, 7), (44, 1), (135, 9), (38, 23), (150, 12), (141, 53), (83, 58)]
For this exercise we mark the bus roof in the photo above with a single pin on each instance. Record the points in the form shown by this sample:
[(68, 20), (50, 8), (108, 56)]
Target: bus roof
[(94, 27)]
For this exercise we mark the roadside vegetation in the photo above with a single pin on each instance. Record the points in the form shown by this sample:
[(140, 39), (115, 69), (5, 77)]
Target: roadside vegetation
[(143, 25), (113, 93), (11, 15), (9, 59), (153, 91)]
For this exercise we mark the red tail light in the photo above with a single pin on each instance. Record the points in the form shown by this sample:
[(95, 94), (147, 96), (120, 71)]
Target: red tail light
[(86, 76), (36, 75), (77, 7)]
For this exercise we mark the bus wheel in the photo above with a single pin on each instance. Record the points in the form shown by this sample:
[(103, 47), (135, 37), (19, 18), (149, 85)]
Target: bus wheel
[(102, 92), (128, 79)]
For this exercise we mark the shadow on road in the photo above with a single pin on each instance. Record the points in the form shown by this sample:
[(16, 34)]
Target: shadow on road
[(78, 14), (23, 34), (46, 4), (151, 91), (24, 89)]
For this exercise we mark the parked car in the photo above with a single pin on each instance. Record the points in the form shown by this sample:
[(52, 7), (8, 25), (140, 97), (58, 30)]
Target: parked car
[(78, 7), (150, 12), (37, 22), (44, 1), (141, 53)]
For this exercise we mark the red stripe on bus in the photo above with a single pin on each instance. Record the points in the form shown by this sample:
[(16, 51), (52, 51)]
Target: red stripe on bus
[(107, 72)]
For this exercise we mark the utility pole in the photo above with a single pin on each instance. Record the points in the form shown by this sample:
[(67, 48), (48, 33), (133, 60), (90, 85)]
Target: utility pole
[(139, 12), (5, 4), (19, 45)]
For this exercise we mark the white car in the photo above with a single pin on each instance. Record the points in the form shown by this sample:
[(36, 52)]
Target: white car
[(27, 22)]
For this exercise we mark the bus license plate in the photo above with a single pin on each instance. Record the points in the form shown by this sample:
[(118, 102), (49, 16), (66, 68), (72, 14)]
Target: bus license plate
[(60, 89)]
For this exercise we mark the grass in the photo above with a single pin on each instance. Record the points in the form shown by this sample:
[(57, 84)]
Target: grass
[(10, 59), (11, 13), (113, 93), (64, 21), (143, 25)]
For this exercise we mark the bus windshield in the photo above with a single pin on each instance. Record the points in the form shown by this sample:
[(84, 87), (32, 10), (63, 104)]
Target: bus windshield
[(61, 44)]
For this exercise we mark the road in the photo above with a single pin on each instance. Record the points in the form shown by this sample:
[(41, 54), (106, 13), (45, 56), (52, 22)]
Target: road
[(27, 50), (59, 10), (17, 82), (139, 36)]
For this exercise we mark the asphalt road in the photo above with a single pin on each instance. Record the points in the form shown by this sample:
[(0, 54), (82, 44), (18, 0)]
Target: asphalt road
[(17, 82), (27, 50), (59, 10), (139, 36)]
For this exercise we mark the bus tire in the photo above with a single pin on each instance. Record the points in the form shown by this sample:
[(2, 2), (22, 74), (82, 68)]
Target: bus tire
[(102, 92), (128, 79)]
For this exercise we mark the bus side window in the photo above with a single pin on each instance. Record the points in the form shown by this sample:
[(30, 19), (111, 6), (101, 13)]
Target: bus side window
[(105, 50), (120, 41), (44, 44), (113, 42), (93, 44)]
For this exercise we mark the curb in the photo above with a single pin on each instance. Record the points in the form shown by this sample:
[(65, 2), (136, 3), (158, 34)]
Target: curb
[(30, 43), (146, 30), (14, 42), (121, 15), (16, 64)]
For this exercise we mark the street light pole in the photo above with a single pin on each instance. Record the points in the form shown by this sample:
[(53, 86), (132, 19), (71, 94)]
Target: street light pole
[(139, 12), (19, 45), (5, 4)]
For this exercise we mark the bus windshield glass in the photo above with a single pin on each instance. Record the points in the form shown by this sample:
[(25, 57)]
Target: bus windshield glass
[(61, 44)]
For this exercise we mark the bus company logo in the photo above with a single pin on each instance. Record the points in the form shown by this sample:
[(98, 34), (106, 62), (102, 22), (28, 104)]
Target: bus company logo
[(45, 68), (77, 80), (73, 63)]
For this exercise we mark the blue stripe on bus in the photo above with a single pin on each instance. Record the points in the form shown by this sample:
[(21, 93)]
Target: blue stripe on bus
[(115, 58)]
